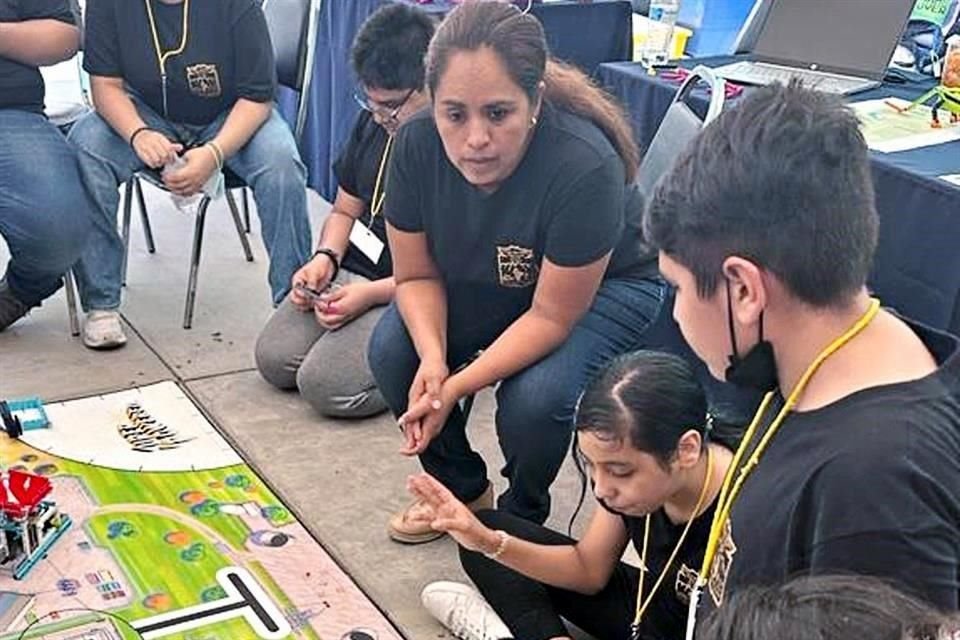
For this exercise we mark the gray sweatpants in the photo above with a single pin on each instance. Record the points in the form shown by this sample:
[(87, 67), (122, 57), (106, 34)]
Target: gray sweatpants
[(328, 367)]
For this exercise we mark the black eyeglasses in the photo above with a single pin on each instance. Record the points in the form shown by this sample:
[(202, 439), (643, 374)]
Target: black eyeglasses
[(389, 110)]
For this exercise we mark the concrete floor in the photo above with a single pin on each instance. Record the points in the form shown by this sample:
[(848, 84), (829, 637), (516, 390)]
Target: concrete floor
[(343, 492)]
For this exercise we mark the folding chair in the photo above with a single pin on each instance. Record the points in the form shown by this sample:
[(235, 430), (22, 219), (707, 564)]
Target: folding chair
[(293, 34), (678, 127)]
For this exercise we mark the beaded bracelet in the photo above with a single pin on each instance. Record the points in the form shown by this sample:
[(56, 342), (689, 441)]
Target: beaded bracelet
[(217, 153), (504, 539)]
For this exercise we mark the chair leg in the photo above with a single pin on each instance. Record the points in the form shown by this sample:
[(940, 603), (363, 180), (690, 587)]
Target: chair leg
[(195, 262), (70, 286), (248, 254), (246, 210), (125, 226), (145, 218)]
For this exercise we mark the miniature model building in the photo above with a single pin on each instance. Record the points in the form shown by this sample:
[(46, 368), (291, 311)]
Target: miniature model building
[(29, 524)]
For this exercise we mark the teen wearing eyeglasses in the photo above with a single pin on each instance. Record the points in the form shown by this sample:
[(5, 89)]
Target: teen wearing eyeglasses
[(316, 340)]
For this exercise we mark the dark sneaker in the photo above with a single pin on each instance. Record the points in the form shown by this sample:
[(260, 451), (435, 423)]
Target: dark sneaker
[(11, 309)]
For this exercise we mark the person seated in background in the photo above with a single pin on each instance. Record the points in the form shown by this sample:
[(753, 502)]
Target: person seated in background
[(319, 345), (656, 462), (44, 211), (827, 608), (766, 226), (514, 230), (185, 86)]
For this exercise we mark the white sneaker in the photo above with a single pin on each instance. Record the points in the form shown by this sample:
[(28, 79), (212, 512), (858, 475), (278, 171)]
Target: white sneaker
[(102, 330), (462, 610)]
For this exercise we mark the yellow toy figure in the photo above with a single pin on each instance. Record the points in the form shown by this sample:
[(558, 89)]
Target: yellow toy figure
[(947, 93)]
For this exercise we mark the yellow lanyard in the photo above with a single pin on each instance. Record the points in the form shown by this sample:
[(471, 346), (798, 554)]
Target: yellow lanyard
[(642, 603), (162, 56), (376, 203), (731, 489)]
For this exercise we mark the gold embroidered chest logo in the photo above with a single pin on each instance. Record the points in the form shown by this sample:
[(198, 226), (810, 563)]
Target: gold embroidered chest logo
[(720, 569), (204, 80), (686, 580), (516, 267)]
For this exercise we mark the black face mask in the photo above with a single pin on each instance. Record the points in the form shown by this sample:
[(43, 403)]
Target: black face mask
[(758, 368)]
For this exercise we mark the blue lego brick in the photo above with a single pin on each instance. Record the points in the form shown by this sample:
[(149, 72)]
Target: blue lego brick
[(30, 562), (30, 411)]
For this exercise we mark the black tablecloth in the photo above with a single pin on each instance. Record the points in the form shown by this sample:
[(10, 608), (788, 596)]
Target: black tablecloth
[(917, 266)]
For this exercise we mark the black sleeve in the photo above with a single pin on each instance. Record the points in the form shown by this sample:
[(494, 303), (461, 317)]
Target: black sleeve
[(346, 166), (885, 517), (101, 54), (256, 72), (404, 206), (587, 218), (46, 9)]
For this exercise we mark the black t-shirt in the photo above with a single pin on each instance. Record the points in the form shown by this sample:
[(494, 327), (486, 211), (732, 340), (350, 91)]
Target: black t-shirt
[(356, 170), (666, 616), (227, 56), (566, 201), (869, 484), (21, 86)]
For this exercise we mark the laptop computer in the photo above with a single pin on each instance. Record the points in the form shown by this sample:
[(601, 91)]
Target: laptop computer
[(836, 46)]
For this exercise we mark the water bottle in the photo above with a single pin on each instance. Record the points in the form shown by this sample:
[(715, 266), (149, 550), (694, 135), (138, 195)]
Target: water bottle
[(185, 204), (657, 44)]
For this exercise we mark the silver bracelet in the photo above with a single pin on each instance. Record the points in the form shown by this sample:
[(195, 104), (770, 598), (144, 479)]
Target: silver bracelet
[(504, 538)]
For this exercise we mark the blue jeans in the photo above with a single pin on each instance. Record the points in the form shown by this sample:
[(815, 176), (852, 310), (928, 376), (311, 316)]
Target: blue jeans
[(269, 163), (44, 211), (534, 417)]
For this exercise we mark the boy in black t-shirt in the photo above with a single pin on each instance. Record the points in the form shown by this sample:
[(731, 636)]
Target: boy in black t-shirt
[(187, 78), (766, 226), (318, 345), (44, 212)]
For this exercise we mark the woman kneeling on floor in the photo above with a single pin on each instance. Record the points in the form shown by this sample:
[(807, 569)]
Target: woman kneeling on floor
[(656, 465), (515, 231)]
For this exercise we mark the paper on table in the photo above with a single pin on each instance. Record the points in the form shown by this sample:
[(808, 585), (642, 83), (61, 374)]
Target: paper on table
[(887, 130), (953, 178)]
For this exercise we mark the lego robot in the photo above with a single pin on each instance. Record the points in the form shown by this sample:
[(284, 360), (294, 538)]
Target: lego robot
[(29, 523)]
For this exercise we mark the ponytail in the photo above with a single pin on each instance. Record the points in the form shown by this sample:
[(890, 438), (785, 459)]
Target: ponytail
[(569, 89)]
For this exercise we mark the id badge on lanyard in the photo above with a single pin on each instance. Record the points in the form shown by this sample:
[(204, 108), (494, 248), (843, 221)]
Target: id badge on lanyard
[(361, 236), (367, 242)]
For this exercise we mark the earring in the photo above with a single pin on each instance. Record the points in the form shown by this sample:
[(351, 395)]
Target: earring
[(533, 122)]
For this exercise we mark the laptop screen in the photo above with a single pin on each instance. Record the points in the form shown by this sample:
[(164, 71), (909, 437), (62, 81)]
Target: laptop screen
[(856, 37)]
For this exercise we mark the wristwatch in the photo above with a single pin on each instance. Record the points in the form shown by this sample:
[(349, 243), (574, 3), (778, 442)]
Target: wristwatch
[(334, 258)]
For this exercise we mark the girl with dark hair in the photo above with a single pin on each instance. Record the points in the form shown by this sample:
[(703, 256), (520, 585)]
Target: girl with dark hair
[(643, 433), (827, 608), (515, 233)]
